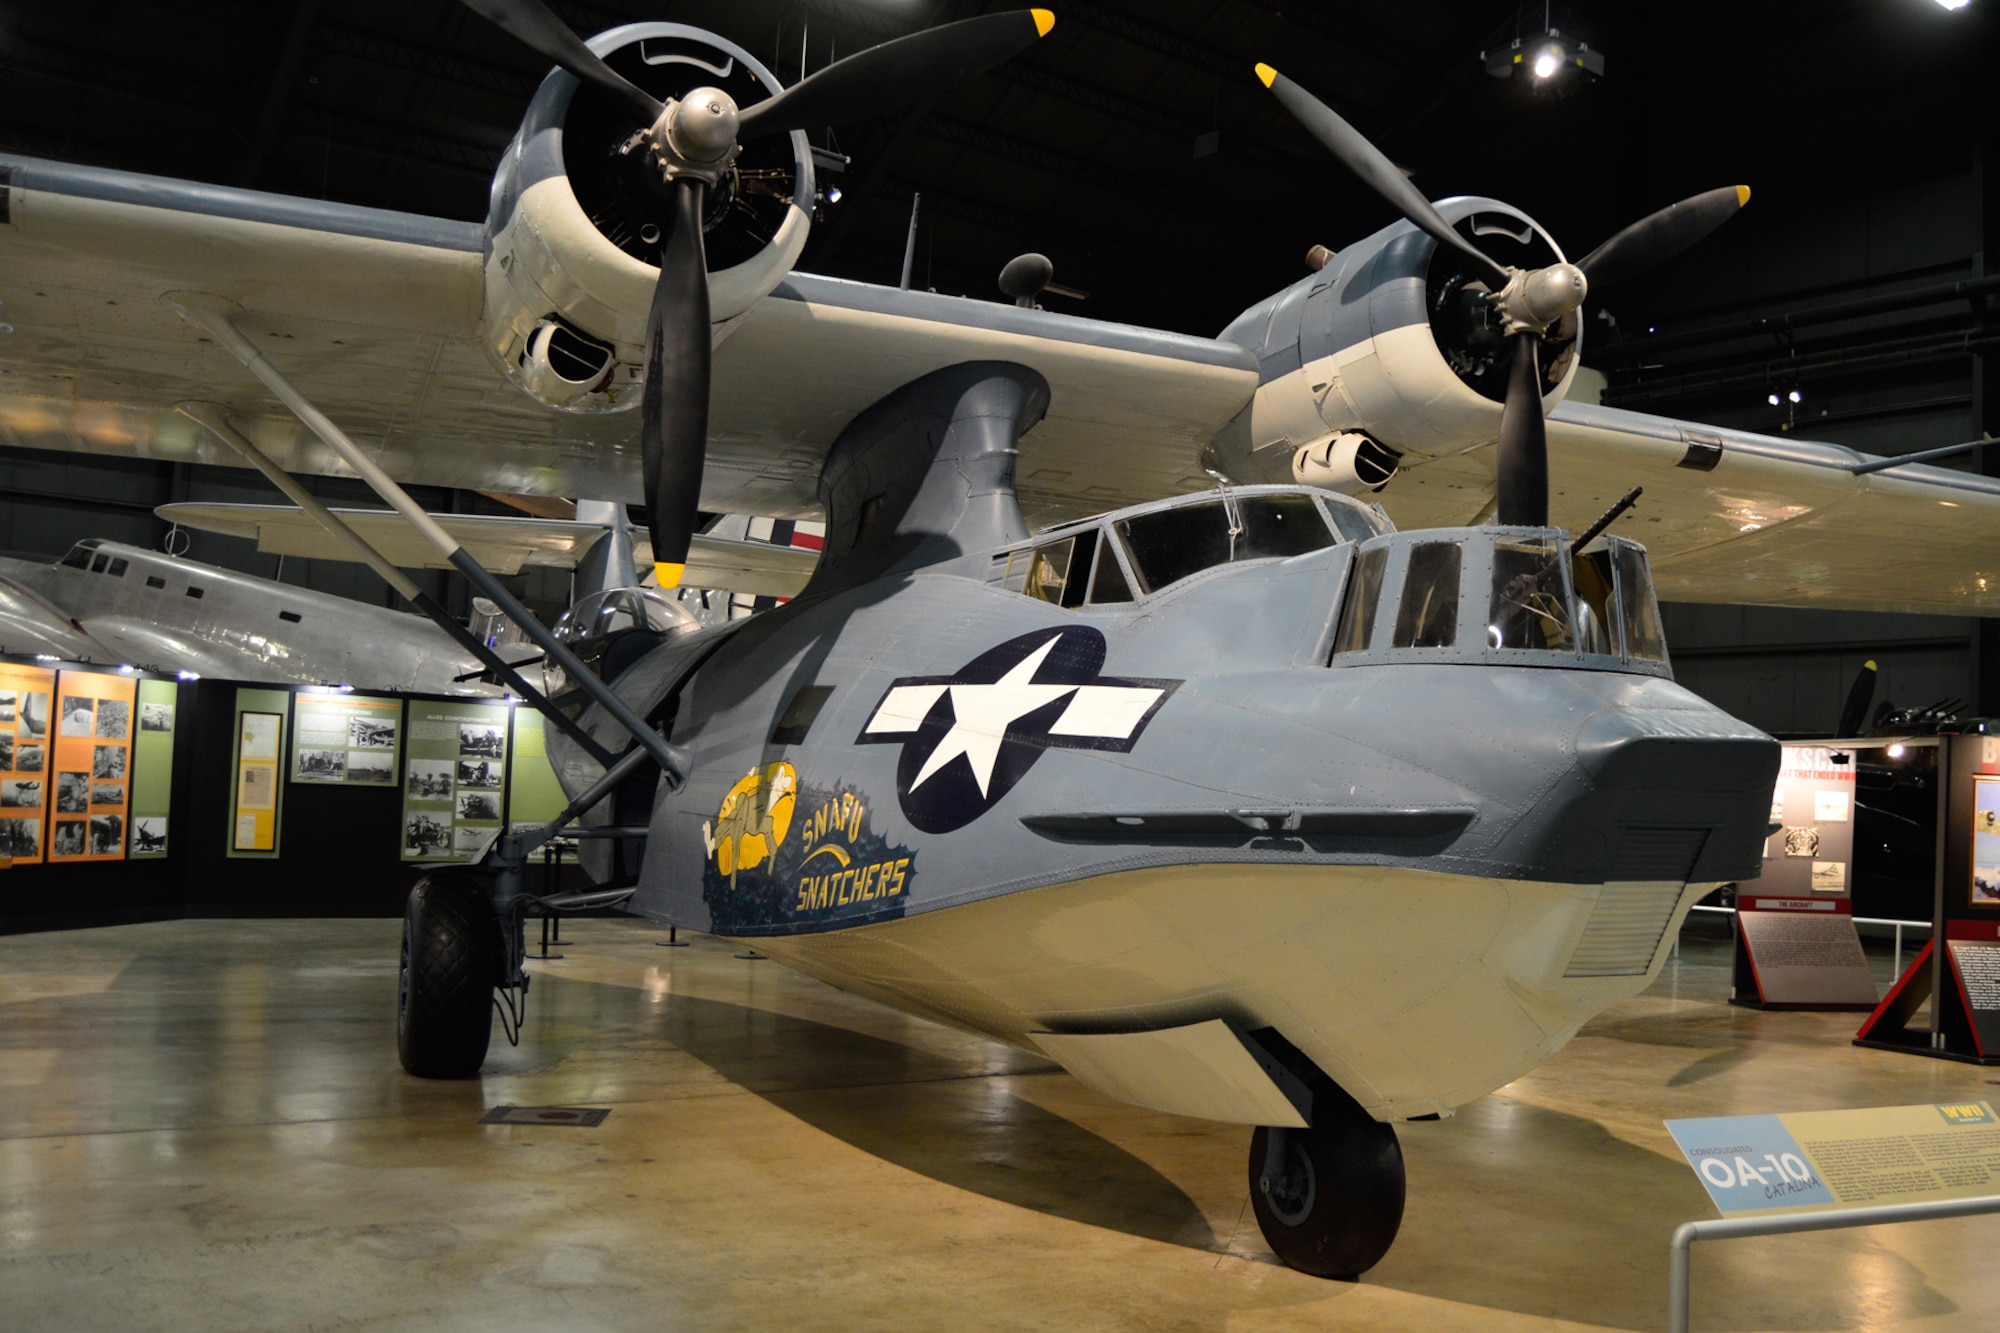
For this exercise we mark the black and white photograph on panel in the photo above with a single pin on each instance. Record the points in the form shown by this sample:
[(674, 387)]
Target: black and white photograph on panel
[(156, 717), (20, 792), (67, 839), (480, 772), (30, 758), (149, 833), (6, 752), (105, 794), (114, 719), (371, 766), (78, 717), (426, 835), (10, 704), (472, 841), (430, 780), (72, 793), (20, 837), (107, 835), (323, 765), (34, 714), (367, 733), (108, 762), (478, 805), (480, 740)]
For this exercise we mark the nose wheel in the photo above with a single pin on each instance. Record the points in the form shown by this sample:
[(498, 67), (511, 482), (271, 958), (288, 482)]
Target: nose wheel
[(1329, 1198), (450, 965)]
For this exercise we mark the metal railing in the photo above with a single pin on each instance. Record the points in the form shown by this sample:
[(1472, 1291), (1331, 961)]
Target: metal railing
[(1680, 1252)]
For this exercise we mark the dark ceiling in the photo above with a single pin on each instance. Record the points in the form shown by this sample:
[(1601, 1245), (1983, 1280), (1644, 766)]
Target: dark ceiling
[(1086, 147)]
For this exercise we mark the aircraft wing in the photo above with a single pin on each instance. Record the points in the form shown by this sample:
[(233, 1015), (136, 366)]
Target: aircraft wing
[(375, 315), (502, 543), (1760, 520)]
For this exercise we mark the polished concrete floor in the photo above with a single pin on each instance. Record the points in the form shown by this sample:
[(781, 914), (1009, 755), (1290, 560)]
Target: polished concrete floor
[(203, 1126)]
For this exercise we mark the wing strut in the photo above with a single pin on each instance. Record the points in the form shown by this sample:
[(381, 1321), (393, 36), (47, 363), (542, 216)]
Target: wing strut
[(213, 317)]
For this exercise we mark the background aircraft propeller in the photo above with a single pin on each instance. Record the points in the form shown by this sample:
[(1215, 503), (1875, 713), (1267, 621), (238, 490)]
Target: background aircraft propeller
[(1522, 303), (692, 141)]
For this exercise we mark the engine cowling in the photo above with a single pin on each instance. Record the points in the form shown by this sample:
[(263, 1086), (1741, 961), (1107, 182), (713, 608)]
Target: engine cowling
[(1388, 342), (573, 223)]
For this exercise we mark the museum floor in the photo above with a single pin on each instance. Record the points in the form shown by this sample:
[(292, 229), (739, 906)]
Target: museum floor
[(203, 1126)]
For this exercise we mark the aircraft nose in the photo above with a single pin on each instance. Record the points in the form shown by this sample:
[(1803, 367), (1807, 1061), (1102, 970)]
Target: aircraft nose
[(1675, 750)]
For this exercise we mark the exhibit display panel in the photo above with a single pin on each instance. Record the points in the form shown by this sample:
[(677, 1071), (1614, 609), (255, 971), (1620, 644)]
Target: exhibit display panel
[(346, 738), (26, 693), (455, 791), (153, 769), (1961, 976), (92, 765), (1796, 947), (260, 746), (533, 794)]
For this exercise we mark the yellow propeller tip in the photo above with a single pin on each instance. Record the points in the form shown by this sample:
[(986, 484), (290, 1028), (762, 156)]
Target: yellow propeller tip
[(1044, 20), (668, 574), (1742, 195), (1870, 665), (1266, 74)]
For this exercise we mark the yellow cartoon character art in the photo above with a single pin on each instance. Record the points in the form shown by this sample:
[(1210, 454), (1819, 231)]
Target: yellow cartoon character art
[(753, 819)]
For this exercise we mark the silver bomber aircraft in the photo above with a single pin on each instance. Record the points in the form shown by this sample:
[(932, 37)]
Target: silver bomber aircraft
[(1248, 803)]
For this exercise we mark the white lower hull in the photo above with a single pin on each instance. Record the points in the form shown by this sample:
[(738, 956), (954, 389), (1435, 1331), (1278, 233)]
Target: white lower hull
[(1416, 991)]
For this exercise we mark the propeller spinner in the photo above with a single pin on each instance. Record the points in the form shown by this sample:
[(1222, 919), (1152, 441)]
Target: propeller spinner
[(692, 142), (1521, 303)]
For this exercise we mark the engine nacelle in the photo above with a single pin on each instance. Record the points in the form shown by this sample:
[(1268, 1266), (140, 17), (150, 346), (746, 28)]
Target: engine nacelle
[(1387, 342), (573, 225), (1349, 462)]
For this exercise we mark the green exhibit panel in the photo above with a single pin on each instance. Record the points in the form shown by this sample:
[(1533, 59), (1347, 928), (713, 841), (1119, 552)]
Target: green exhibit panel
[(455, 789), (533, 794), (343, 738), (153, 769)]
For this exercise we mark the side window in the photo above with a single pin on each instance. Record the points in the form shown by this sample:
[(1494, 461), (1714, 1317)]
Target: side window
[(1048, 571), (1637, 611), (118, 568), (97, 565), (1109, 584), (1364, 594), (1428, 616), (1594, 613), (1530, 607)]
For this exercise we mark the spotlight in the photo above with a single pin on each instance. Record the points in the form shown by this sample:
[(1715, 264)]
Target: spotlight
[(1544, 56), (1772, 400), (1897, 751), (833, 194), (1795, 397), (1953, 4)]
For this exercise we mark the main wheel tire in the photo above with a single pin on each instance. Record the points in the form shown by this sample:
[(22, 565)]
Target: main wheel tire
[(444, 990), (1336, 1203)]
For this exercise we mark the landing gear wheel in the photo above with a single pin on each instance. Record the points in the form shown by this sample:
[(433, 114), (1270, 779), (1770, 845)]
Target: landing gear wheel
[(1330, 1199), (444, 990)]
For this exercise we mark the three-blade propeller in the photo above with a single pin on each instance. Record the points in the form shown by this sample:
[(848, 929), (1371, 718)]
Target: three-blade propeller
[(692, 141), (1521, 303)]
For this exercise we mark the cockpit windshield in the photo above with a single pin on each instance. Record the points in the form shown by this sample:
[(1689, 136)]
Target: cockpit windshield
[(1168, 545)]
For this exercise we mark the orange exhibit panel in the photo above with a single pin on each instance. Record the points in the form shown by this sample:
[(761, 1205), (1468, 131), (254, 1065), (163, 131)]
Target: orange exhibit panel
[(90, 771), (26, 697)]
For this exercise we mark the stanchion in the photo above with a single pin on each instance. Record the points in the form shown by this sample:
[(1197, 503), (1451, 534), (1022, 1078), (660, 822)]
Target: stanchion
[(670, 942)]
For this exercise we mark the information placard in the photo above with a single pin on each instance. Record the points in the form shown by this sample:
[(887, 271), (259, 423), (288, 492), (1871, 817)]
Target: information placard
[(1806, 1160), (1813, 807), (26, 693), (353, 739), (93, 765), (456, 779), (258, 759), (534, 796)]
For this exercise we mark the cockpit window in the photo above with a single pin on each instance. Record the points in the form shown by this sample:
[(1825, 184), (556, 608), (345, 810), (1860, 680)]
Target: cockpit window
[(1644, 638), (1428, 616), (97, 565), (1364, 592), (1109, 585), (1057, 571), (1530, 607), (1169, 545), (78, 558), (1356, 523), (1595, 614)]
